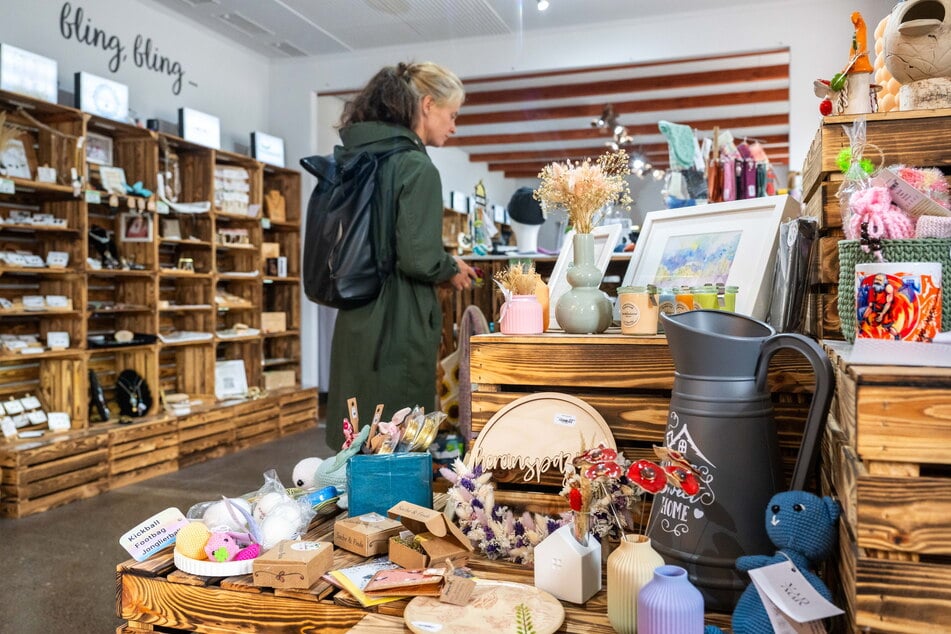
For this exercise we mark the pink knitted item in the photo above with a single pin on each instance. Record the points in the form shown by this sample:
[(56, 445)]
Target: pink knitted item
[(885, 220), (933, 227), (221, 547), (251, 552)]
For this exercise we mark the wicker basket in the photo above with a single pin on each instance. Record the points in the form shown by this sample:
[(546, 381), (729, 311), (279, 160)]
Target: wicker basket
[(910, 250)]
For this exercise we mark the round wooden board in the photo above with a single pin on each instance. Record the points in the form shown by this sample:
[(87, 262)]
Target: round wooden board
[(493, 607), (538, 428)]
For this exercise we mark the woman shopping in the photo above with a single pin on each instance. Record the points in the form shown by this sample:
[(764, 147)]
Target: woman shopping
[(385, 351)]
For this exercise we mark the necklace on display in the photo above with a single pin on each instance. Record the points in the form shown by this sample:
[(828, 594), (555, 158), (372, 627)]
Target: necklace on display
[(135, 398)]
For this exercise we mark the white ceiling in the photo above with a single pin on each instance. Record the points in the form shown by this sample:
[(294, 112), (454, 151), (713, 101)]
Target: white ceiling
[(517, 123)]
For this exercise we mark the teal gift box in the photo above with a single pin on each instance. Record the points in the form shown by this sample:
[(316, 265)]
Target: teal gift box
[(376, 483)]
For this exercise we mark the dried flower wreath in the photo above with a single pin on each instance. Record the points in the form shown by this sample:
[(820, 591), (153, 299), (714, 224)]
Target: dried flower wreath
[(602, 488)]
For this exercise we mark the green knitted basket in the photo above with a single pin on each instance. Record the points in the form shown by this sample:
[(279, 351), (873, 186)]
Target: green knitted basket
[(910, 250)]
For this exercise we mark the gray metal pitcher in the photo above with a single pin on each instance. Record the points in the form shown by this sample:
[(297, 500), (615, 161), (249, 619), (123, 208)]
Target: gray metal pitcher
[(721, 419)]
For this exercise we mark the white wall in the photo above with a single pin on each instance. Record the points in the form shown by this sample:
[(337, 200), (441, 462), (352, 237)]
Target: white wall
[(219, 77)]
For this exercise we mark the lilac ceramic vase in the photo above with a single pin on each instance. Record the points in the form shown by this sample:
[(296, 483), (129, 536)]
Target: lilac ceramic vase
[(669, 604)]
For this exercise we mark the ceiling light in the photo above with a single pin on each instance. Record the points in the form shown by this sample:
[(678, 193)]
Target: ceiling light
[(542, 5)]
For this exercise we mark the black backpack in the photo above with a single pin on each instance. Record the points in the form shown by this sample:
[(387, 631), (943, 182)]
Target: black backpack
[(341, 266)]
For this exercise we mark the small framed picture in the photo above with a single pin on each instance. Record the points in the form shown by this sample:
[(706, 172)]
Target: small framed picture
[(113, 179), (135, 227), (231, 379), (98, 149), (171, 229)]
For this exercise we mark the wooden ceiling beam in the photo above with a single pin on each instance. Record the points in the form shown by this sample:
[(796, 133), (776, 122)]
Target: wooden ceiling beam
[(592, 152), (628, 85), (779, 159), (638, 105), (594, 133)]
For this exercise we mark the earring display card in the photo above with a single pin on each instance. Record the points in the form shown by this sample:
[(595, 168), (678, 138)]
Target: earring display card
[(59, 421), (9, 427)]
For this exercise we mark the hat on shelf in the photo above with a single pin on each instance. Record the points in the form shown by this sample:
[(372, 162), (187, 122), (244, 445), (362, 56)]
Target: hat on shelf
[(524, 208)]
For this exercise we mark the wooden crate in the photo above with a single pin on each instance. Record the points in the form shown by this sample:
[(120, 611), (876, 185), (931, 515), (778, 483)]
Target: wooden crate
[(41, 474), (887, 458), (298, 409), (918, 138), (626, 379), (205, 434), (142, 450), (256, 422)]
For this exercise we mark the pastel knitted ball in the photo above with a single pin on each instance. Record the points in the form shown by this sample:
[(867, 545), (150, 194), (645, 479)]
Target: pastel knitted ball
[(191, 539)]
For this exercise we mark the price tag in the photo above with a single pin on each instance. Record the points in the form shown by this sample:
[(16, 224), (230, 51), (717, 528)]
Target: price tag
[(161, 207), (7, 186), (565, 420), (793, 605), (265, 223), (93, 197)]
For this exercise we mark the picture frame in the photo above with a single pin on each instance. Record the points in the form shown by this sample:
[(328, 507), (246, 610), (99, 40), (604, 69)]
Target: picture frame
[(135, 227), (171, 229), (231, 379), (740, 236), (605, 239), (99, 149), (112, 179)]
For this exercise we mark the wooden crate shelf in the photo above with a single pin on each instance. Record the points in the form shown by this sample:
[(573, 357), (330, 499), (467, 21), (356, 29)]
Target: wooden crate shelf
[(142, 450), (887, 458), (298, 409), (40, 475), (918, 138), (257, 422), (149, 295), (205, 435)]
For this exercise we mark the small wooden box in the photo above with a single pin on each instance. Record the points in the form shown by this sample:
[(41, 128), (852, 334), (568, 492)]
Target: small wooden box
[(270, 250), (273, 322), (276, 379)]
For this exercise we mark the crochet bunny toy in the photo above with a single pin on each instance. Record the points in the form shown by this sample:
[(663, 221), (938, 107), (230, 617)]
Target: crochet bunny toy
[(874, 217), (804, 528)]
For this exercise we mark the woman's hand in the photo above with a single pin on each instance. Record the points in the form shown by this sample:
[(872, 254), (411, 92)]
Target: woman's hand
[(463, 279)]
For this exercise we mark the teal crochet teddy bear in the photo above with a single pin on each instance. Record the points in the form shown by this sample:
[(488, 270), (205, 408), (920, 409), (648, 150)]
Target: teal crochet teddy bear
[(803, 527)]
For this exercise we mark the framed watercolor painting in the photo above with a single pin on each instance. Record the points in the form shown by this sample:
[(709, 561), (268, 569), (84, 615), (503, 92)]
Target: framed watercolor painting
[(733, 243), (605, 239)]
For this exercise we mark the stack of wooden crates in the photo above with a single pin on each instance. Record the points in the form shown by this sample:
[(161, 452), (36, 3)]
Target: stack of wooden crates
[(887, 450)]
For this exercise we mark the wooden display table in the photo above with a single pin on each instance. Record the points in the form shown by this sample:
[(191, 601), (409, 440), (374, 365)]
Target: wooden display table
[(155, 596), (887, 459)]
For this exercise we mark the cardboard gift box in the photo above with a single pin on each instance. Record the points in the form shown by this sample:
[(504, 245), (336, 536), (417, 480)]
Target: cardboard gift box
[(367, 534), (438, 537), (273, 322), (293, 564), (375, 482)]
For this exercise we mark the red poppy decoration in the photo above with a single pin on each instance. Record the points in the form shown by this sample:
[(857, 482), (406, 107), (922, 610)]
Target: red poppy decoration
[(574, 499), (683, 479), (647, 475), (601, 453), (603, 469)]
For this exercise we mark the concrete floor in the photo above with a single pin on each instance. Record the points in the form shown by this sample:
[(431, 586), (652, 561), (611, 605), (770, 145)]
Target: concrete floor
[(57, 569)]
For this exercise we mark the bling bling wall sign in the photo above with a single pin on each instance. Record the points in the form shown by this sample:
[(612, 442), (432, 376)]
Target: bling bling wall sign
[(143, 53)]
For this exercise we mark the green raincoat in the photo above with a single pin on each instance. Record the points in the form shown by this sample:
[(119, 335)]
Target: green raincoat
[(385, 351)]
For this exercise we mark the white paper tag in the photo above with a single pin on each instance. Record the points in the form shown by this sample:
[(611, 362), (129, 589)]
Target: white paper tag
[(8, 427), (7, 186), (790, 592), (153, 534), (565, 420), (93, 197), (59, 421), (907, 197)]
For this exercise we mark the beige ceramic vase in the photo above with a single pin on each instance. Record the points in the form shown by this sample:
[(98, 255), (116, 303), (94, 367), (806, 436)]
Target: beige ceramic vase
[(630, 567)]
